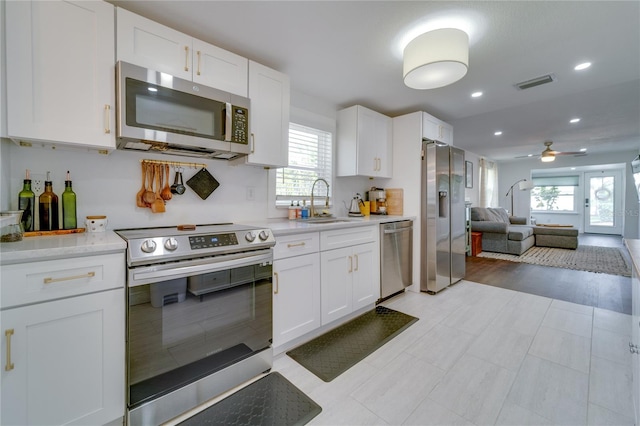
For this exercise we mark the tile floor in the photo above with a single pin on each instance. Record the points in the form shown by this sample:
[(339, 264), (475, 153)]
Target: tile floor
[(483, 355)]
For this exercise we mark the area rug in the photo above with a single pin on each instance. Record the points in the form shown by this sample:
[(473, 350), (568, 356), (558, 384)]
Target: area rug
[(606, 260), (334, 352), (272, 400)]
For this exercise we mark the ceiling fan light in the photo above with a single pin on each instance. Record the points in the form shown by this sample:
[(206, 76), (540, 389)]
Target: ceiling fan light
[(547, 157), (436, 59)]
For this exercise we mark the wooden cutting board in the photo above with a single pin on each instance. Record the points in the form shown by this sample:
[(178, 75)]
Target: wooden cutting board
[(395, 201), (58, 232)]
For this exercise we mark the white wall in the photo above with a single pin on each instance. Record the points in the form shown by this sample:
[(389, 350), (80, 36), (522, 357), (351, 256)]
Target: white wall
[(511, 171), (472, 195)]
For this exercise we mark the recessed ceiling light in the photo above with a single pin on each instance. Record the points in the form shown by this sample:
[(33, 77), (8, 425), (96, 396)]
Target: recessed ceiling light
[(476, 94), (574, 120), (573, 168), (498, 133), (530, 155), (583, 149), (582, 66)]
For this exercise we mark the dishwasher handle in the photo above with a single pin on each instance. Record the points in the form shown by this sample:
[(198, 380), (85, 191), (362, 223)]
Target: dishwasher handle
[(396, 231)]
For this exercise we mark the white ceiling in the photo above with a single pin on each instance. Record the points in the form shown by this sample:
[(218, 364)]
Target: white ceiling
[(349, 52)]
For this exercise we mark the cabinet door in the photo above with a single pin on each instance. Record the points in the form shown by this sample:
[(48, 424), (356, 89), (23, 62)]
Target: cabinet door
[(148, 44), (336, 271), (60, 72), (368, 142), (366, 275), (269, 116), (66, 361), (384, 146), (219, 68), (296, 298)]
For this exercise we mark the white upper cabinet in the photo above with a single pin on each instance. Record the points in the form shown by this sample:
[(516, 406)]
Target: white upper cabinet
[(364, 143), (149, 44), (269, 91), (60, 72), (436, 130)]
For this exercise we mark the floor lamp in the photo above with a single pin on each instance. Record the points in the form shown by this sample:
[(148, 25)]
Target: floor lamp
[(524, 185)]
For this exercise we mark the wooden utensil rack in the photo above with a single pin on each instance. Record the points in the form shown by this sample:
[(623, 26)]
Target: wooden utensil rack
[(175, 163)]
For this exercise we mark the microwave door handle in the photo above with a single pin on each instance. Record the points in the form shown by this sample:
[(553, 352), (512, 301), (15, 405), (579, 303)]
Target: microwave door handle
[(228, 122)]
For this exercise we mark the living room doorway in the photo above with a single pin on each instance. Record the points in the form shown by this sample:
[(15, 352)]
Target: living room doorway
[(603, 204)]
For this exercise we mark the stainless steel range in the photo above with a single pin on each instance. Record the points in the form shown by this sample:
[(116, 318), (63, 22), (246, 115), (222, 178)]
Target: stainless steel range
[(199, 318)]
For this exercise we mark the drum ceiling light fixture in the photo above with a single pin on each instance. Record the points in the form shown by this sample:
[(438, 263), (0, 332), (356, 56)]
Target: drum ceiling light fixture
[(436, 59)]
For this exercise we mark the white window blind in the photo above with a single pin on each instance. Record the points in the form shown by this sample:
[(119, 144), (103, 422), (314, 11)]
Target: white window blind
[(309, 159)]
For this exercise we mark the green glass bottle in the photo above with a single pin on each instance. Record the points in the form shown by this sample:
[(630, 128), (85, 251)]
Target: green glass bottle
[(27, 203), (48, 203), (68, 205)]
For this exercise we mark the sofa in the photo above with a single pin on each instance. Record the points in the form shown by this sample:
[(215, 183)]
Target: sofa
[(502, 233)]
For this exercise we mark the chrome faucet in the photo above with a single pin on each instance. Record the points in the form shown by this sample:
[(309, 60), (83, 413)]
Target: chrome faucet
[(326, 202)]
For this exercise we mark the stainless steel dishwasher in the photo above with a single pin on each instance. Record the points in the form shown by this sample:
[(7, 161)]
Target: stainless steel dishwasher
[(396, 257)]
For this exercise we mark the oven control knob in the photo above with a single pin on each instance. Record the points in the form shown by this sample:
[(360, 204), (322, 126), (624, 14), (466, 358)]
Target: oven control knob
[(148, 246), (263, 235), (250, 236), (171, 244)]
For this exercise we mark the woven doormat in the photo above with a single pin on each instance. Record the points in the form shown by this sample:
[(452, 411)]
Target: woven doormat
[(334, 352), (606, 260), (272, 400)]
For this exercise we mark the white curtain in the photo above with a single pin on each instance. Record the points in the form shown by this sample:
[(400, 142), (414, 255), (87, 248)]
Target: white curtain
[(488, 183)]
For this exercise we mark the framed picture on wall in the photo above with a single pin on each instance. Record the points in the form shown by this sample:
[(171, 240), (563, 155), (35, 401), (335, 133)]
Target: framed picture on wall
[(468, 174)]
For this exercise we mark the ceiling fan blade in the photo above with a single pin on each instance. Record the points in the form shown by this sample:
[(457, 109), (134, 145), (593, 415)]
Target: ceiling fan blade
[(529, 156), (577, 153)]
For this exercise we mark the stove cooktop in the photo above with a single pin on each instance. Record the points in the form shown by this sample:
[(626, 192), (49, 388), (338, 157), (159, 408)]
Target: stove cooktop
[(164, 244)]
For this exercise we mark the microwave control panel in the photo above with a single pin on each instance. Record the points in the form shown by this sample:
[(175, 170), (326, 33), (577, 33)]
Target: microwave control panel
[(240, 125)]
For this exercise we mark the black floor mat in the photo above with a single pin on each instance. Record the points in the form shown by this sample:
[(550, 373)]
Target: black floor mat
[(272, 400), (336, 351)]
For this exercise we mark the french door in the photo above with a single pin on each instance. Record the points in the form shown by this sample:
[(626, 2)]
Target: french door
[(603, 205)]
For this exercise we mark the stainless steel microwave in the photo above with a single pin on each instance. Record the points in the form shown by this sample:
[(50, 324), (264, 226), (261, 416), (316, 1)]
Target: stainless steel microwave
[(157, 112)]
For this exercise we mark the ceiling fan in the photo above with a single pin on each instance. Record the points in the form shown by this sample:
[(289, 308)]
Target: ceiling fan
[(548, 154)]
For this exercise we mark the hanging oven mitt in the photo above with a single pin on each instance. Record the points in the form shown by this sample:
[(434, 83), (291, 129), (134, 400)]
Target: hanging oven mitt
[(203, 183)]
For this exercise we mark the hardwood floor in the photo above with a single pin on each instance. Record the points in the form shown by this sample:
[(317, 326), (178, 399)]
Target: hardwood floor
[(611, 292)]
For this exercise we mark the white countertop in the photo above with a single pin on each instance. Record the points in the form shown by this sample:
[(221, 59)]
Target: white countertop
[(284, 226), (88, 244), (60, 246)]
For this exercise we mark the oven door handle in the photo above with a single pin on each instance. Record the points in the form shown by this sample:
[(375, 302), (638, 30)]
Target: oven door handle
[(200, 266)]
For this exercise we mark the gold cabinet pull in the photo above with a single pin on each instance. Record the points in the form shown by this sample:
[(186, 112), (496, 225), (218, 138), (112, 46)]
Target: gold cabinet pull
[(357, 262), (198, 71), (7, 334), (107, 119), (186, 58), (277, 289), (301, 244), (350, 264), (75, 277)]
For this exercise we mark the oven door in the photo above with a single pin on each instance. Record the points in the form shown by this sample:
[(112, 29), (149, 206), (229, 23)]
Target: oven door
[(188, 320)]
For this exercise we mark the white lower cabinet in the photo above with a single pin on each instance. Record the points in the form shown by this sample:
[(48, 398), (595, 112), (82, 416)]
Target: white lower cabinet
[(321, 277), (296, 287), (63, 359), (349, 271), (348, 280), (634, 345), (296, 297)]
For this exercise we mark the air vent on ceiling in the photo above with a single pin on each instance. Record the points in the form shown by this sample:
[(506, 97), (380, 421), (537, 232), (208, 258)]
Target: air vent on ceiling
[(536, 82)]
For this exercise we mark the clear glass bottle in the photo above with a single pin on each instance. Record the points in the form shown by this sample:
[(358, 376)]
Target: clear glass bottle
[(27, 203), (48, 207), (69, 219)]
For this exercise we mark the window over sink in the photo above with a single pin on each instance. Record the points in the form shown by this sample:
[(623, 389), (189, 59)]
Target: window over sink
[(310, 155)]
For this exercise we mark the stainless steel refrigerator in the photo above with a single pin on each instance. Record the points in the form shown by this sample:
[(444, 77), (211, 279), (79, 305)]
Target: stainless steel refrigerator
[(442, 229)]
